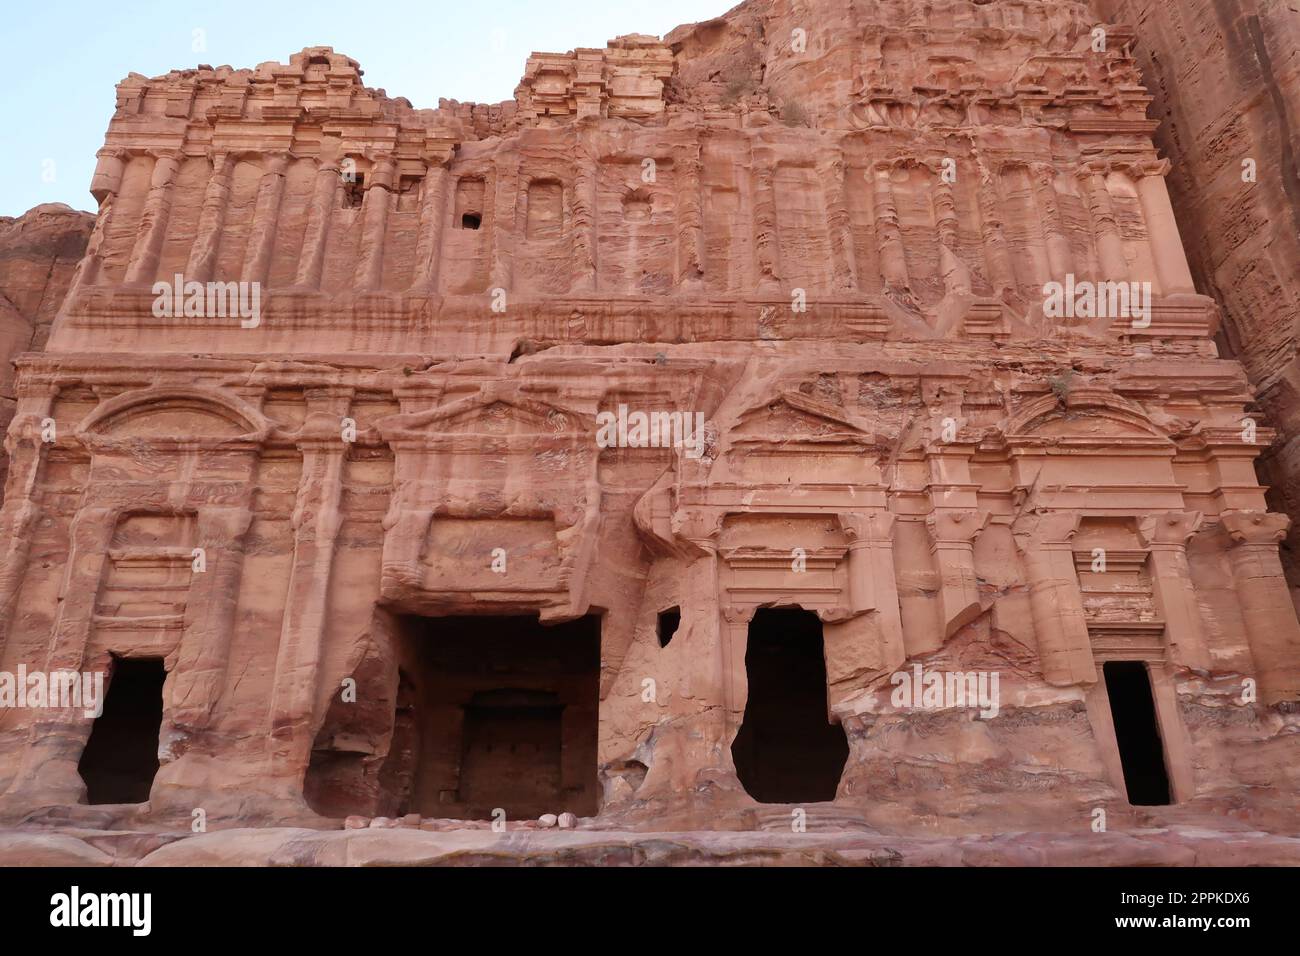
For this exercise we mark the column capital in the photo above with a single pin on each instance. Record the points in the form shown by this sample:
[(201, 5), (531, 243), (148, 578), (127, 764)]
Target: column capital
[(119, 153), (958, 526), (699, 528), (166, 164), (1255, 528), (26, 429), (222, 161), (1172, 529), (383, 171), (1045, 529), (738, 615), (868, 528), (1043, 169), (1094, 167), (165, 154), (1142, 168)]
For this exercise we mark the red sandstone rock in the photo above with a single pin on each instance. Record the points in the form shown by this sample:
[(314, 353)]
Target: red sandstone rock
[(38, 252), (385, 526), (1225, 78)]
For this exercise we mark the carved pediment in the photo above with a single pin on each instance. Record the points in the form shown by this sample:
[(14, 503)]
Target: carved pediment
[(1085, 416), (186, 417), (793, 420), (491, 416)]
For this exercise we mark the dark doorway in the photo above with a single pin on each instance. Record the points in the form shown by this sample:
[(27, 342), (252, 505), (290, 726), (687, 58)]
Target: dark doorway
[(503, 713), (1141, 753), (121, 757), (787, 751)]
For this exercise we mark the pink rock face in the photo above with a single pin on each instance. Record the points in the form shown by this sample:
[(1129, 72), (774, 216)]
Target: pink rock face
[(39, 251), (804, 423), (1226, 85)]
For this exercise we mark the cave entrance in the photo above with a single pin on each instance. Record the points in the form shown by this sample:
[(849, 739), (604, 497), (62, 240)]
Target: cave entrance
[(502, 713), (1141, 752), (121, 756), (787, 750)]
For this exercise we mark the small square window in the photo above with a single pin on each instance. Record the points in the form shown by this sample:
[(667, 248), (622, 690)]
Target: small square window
[(354, 192)]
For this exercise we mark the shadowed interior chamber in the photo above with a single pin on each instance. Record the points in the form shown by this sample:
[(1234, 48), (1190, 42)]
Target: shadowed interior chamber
[(787, 751)]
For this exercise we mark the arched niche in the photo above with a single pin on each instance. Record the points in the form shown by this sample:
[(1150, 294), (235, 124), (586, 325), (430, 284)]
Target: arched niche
[(189, 417)]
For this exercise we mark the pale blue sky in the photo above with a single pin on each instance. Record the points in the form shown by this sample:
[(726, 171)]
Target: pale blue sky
[(63, 58)]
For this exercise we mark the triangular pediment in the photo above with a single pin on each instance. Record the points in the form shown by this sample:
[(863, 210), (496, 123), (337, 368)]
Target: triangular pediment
[(493, 415), (794, 417)]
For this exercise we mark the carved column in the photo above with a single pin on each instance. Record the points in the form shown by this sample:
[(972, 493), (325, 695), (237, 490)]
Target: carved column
[(375, 207), (48, 766), (504, 204), (92, 530), (324, 198), (104, 186), (952, 270), (701, 619), (1055, 601), (316, 521), (210, 615), (202, 262), (1060, 258), (1002, 273), (433, 218), (952, 542), (147, 251), (266, 216), (1162, 229), (734, 638), (584, 223), (1271, 626), (766, 242), (22, 504), (711, 684), (889, 235), (1165, 536), (838, 222), (1110, 246), (406, 527), (872, 584), (109, 167), (690, 227), (945, 214)]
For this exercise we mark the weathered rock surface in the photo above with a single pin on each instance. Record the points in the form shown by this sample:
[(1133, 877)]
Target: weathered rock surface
[(39, 252), (1179, 846), (371, 511), (1225, 80)]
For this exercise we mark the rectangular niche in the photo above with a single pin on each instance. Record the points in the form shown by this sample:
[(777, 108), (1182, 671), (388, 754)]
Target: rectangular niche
[(545, 209), (469, 205)]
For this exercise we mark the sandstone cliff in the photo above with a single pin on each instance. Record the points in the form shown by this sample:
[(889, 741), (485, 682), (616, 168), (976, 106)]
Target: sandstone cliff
[(1225, 77), (39, 252)]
